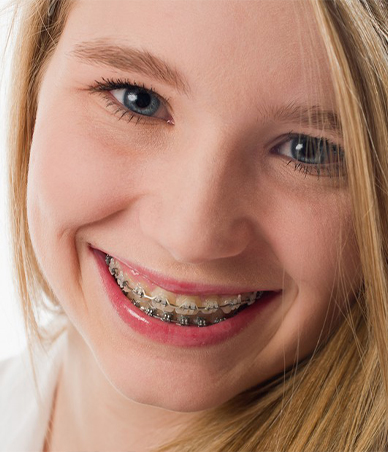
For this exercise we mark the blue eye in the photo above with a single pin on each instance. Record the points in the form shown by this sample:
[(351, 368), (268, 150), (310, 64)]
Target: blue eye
[(315, 151), (133, 101), (312, 154), (138, 100), (310, 150)]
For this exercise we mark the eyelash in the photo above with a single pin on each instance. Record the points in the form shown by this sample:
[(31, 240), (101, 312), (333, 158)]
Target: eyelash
[(106, 85), (103, 87), (335, 168)]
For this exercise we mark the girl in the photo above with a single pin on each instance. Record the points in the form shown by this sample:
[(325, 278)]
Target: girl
[(199, 190)]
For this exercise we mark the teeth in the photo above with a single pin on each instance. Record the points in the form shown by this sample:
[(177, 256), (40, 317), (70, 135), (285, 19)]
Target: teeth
[(218, 319), (161, 300), (113, 271), (252, 298), (140, 299), (126, 287), (139, 291), (150, 311), (112, 265), (136, 303), (226, 309), (229, 304), (210, 305), (179, 309), (167, 317), (186, 305), (183, 320), (120, 279), (235, 303), (200, 321), (161, 303)]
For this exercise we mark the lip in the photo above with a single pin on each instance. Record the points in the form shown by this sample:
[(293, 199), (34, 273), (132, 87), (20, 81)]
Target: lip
[(182, 287), (171, 334)]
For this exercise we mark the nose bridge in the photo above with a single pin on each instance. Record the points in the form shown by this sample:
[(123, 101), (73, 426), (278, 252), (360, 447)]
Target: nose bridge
[(200, 213)]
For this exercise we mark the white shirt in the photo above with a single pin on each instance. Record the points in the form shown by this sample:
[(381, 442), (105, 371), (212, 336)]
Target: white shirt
[(24, 422)]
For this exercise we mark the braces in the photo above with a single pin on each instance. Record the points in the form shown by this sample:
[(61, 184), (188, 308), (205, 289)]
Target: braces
[(185, 308)]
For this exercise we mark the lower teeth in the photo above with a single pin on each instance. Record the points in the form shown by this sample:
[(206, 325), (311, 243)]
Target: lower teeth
[(139, 299)]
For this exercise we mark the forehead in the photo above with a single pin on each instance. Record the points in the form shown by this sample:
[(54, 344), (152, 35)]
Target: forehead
[(270, 49)]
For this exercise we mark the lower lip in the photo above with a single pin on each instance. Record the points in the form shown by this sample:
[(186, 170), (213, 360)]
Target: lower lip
[(172, 334)]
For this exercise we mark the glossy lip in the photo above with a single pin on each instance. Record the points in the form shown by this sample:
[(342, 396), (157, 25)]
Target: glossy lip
[(182, 287), (171, 334)]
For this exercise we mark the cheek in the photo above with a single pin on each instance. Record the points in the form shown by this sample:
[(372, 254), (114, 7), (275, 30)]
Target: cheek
[(312, 237), (315, 244), (75, 177), (69, 187), (80, 170)]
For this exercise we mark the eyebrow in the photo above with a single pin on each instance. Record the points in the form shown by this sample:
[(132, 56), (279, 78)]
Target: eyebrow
[(130, 59), (308, 116), (126, 58)]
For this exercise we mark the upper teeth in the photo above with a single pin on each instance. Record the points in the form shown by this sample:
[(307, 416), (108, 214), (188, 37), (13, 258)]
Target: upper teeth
[(183, 304), (180, 309), (186, 306)]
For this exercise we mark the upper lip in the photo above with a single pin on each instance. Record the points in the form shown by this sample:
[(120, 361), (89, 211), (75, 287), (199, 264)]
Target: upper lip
[(182, 287)]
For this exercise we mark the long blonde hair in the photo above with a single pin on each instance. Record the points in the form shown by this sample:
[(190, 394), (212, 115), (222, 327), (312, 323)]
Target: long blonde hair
[(337, 399)]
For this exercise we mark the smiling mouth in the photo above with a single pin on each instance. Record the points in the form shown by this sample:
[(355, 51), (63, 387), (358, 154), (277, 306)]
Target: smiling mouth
[(182, 310)]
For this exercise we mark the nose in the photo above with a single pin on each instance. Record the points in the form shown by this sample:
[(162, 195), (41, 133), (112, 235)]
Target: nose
[(199, 213)]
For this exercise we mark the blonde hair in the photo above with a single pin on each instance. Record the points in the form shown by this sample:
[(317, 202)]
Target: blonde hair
[(336, 399)]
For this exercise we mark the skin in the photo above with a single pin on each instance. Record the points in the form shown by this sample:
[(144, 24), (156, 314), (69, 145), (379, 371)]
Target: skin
[(203, 200)]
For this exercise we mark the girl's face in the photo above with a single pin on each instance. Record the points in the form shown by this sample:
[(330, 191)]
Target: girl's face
[(198, 184)]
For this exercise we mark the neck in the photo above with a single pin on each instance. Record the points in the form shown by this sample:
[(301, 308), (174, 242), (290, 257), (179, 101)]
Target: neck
[(89, 413)]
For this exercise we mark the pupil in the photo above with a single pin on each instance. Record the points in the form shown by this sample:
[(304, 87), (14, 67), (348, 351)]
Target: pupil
[(309, 150), (141, 98)]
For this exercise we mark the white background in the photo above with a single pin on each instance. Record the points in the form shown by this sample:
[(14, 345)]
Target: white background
[(12, 336)]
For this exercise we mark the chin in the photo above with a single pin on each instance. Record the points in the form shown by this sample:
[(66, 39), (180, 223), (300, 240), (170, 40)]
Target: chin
[(185, 388), (181, 400)]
